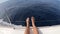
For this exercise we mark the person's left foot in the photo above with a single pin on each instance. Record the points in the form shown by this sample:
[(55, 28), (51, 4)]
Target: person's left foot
[(27, 21)]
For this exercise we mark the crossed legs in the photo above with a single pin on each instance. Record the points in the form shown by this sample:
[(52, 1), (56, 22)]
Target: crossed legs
[(27, 31)]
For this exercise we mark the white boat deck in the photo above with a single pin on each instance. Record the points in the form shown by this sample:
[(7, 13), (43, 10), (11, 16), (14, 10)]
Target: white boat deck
[(42, 30), (6, 28)]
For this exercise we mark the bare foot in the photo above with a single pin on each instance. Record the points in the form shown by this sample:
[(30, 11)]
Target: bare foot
[(27, 21), (33, 21)]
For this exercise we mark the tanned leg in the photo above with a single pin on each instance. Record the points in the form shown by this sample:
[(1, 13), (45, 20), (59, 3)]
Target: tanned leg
[(27, 31), (35, 30)]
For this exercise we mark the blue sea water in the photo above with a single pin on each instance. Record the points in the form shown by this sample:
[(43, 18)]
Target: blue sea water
[(46, 12)]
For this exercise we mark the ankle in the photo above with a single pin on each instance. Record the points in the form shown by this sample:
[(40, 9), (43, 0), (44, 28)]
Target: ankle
[(27, 26)]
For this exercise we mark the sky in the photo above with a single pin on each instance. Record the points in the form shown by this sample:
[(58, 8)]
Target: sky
[(1, 1)]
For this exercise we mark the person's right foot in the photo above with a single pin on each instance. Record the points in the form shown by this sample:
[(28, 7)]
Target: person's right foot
[(33, 21)]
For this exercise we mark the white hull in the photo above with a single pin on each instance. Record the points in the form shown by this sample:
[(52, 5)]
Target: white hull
[(42, 30)]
